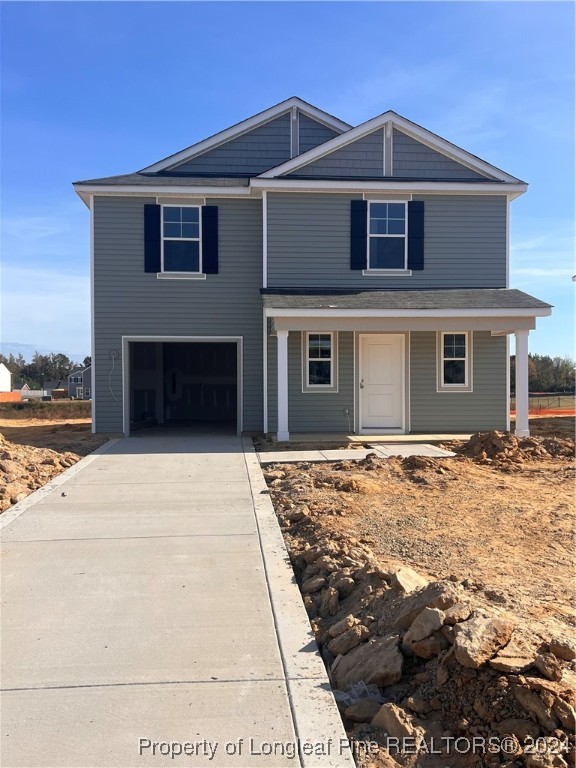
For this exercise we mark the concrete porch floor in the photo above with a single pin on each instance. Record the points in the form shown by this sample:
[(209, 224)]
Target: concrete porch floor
[(326, 438)]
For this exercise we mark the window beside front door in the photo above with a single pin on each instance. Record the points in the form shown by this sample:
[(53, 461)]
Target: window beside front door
[(454, 353), (319, 362)]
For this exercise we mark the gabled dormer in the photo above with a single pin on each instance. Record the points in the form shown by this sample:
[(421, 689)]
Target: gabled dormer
[(389, 147), (256, 145)]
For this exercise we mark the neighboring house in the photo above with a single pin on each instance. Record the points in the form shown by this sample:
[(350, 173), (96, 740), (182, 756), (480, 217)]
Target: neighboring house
[(55, 388), (293, 273), (87, 382), (80, 384), (19, 385), (5, 379)]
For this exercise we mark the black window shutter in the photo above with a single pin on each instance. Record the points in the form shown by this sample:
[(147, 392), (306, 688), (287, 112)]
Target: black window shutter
[(152, 238), (416, 235), (210, 239), (358, 234)]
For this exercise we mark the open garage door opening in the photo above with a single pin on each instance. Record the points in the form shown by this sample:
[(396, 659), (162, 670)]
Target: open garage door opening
[(186, 384)]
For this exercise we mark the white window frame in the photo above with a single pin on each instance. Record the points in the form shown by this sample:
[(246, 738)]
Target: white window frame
[(306, 385), (388, 271), (441, 385), (86, 391), (191, 273)]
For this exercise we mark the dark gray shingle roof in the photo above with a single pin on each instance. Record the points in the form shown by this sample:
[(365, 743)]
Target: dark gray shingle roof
[(166, 180), (458, 298)]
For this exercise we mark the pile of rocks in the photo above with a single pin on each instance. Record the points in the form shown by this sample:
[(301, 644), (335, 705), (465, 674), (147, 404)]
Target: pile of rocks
[(445, 669), (505, 448), (24, 469)]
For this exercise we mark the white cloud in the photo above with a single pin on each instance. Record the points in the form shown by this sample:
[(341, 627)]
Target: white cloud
[(47, 308), (60, 233), (540, 272)]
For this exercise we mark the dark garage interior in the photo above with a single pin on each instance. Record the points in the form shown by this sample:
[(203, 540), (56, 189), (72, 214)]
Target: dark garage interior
[(183, 384)]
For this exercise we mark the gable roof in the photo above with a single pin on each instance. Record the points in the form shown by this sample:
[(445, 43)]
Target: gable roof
[(413, 130), (247, 125)]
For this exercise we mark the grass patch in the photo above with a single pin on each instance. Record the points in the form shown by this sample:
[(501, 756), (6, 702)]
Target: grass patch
[(38, 409)]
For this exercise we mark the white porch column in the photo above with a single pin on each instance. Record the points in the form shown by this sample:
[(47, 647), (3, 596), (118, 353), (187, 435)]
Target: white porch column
[(282, 337), (522, 425)]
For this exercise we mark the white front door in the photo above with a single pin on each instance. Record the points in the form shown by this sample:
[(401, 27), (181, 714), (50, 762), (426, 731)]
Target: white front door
[(381, 382)]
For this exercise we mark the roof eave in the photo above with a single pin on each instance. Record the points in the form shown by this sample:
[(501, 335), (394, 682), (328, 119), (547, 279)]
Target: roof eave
[(513, 189), (388, 313), (86, 191)]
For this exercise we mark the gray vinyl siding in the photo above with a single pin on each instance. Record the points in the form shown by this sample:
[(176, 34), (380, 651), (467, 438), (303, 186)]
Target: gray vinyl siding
[(482, 409), (364, 157), (312, 133), (312, 411), (129, 301), (250, 154), (309, 243), (412, 159)]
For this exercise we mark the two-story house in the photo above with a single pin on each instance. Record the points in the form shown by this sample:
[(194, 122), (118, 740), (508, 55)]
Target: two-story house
[(296, 274), (79, 383)]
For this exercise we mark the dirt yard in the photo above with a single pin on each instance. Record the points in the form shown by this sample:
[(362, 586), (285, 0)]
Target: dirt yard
[(491, 533), (33, 451), (508, 530)]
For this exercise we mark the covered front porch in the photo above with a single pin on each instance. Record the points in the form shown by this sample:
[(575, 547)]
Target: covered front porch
[(395, 364)]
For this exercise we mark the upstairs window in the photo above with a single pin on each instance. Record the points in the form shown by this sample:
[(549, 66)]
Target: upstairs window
[(387, 241), (181, 243), (454, 356)]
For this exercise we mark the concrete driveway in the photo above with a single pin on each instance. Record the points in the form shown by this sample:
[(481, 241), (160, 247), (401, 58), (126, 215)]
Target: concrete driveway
[(150, 618)]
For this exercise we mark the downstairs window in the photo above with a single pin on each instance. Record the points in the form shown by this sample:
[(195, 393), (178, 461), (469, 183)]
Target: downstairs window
[(454, 362), (319, 362)]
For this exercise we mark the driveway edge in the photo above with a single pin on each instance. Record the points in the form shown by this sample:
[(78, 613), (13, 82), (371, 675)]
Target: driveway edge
[(316, 718), (12, 513)]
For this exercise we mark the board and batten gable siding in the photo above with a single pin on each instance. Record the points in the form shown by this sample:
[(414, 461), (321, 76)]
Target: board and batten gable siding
[(312, 411), (129, 301), (312, 133), (309, 243), (482, 409), (412, 159), (250, 154), (364, 157)]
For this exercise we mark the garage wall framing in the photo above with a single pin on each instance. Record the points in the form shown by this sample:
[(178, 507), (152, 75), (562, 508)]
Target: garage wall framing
[(126, 340)]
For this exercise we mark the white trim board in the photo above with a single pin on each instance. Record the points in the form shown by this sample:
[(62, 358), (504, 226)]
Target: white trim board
[(420, 186), (257, 186), (245, 126), (92, 319), (239, 340), (413, 130), (87, 191)]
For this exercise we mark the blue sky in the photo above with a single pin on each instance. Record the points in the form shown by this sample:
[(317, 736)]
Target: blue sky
[(96, 89)]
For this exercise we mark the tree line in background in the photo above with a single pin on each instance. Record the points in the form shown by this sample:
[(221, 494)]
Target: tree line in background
[(546, 374), (51, 367)]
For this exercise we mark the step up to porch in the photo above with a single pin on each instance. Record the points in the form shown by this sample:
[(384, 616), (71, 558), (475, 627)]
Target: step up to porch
[(385, 452)]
